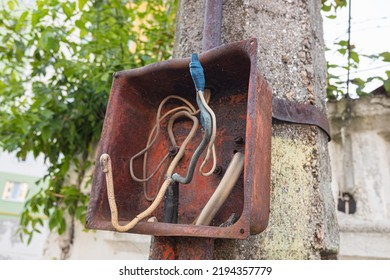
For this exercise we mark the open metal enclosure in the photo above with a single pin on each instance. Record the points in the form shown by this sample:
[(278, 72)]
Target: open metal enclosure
[(242, 102)]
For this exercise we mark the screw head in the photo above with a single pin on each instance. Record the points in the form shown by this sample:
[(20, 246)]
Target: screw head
[(218, 170), (173, 150), (239, 140)]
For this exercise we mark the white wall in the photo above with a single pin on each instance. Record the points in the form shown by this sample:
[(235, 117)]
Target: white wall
[(11, 247), (79, 244), (30, 167), (360, 159), (110, 245)]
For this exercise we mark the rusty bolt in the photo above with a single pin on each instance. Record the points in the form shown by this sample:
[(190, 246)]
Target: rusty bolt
[(173, 150), (239, 140), (218, 170)]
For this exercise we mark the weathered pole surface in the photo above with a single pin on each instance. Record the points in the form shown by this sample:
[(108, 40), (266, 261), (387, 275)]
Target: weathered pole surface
[(291, 58)]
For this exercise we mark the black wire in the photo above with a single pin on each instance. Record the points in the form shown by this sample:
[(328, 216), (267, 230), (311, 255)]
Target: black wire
[(366, 69), (363, 21), (208, 127), (171, 203)]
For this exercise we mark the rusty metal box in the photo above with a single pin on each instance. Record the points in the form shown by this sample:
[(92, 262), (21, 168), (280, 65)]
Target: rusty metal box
[(241, 100)]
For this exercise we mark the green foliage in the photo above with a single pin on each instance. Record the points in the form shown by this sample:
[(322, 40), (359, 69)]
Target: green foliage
[(336, 85), (56, 66), (331, 7), (336, 88)]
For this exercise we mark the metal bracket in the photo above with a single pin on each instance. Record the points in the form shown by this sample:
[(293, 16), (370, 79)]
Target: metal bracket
[(293, 112)]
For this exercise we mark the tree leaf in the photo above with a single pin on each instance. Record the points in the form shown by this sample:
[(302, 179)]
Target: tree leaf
[(62, 227), (48, 41), (386, 84), (340, 3), (67, 10), (81, 4), (326, 8), (21, 20), (53, 222), (385, 56), (80, 211), (37, 15), (358, 82), (30, 236), (355, 57), (343, 43), (105, 76), (11, 5), (342, 51)]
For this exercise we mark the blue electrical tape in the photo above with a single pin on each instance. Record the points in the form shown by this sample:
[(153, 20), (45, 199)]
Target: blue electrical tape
[(197, 73)]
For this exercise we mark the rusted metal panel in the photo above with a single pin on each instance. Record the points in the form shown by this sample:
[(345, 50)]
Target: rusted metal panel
[(163, 248), (261, 151), (241, 100)]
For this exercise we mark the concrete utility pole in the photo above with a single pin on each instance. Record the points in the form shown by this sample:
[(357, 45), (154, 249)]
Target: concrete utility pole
[(291, 58)]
